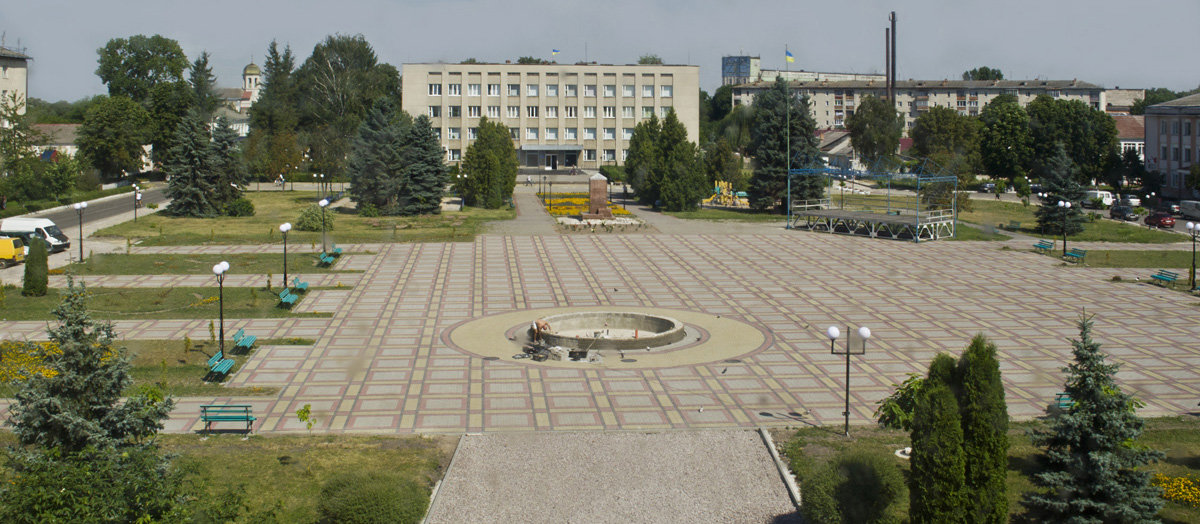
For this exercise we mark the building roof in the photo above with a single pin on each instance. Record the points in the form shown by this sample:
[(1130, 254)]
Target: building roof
[(12, 53), (229, 93), (938, 84), (1130, 127), (231, 115), (1187, 101), (57, 134), (251, 69)]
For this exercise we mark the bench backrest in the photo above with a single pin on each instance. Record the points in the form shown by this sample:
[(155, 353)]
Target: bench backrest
[(1075, 251), (212, 361), (240, 333), (1166, 273), (225, 409), (283, 294)]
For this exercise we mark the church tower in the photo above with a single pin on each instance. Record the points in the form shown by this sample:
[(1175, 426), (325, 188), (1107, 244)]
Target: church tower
[(251, 76)]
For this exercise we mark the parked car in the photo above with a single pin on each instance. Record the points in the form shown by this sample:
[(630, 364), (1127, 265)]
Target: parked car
[(30, 228), (1035, 188), (12, 251), (1094, 197), (1122, 212), (1131, 201), (1189, 209), (987, 188), (1160, 219), (1171, 208)]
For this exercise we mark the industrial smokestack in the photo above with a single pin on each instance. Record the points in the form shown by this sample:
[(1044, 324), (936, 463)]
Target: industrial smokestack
[(892, 89), (887, 63)]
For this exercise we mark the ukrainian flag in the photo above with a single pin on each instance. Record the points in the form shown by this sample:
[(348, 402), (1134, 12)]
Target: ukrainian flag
[(790, 58), (554, 52)]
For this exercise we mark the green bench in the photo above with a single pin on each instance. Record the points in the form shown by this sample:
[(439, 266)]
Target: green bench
[(1044, 246), (325, 259), (335, 251), (1076, 255), (1166, 277), (287, 298), (1063, 401), (297, 285), (227, 413), (242, 341), (219, 366)]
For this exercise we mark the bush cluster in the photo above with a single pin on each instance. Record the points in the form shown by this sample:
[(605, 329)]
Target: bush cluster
[(310, 219), (364, 497), (240, 207), (855, 487)]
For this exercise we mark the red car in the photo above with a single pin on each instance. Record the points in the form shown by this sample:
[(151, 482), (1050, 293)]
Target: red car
[(1161, 219)]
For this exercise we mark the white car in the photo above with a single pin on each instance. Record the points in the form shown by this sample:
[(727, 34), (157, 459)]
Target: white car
[(1131, 201)]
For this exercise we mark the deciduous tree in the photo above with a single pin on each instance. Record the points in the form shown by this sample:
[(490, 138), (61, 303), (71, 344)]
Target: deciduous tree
[(112, 136), (950, 139), (131, 67), (875, 130), (983, 73), (1087, 134)]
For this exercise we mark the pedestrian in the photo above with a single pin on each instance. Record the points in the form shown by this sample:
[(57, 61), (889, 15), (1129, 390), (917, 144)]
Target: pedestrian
[(3, 202), (528, 181), (138, 196)]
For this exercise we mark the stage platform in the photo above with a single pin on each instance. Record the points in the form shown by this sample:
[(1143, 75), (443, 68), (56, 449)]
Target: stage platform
[(898, 224)]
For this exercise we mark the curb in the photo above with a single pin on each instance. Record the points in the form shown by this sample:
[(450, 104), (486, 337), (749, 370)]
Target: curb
[(433, 495), (788, 479)]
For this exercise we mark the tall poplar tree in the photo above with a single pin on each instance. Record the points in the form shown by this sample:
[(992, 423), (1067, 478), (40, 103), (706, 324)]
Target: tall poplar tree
[(779, 118)]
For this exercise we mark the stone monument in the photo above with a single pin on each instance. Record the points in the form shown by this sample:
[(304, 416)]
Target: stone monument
[(597, 199)]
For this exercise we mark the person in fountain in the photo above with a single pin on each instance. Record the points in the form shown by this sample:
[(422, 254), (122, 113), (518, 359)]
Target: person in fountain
[(540, 326)]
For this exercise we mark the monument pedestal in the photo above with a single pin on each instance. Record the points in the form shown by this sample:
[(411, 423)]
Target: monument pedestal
[(597, 199)]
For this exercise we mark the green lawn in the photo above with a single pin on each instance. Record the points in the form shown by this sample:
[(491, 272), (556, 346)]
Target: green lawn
[(194, 264), (740, 215), (277, 207), (965, 232), (1138, 258), (152, 303), (996, 213), (1178, 437)]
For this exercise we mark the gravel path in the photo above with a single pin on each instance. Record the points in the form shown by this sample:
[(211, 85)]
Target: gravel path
[(683, 476)]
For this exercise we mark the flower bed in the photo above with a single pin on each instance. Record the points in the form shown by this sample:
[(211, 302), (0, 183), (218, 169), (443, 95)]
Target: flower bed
[(574, 204)]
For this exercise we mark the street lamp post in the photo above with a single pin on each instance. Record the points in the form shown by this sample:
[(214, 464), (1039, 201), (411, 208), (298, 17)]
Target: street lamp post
[(550, 199), (323, 203), (284, 228), (833, 333), (79, 207), (788, 225), (219, 270), (1066, 210), (1193, 231)]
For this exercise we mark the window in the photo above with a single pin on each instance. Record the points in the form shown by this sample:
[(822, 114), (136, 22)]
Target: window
[(572, 111), (627, 112), (589, 133), (627, 90), (648, 91), (454, 89), (647, 112), (514, 133), (1175, 127), (571, 133), (514, 89), (551, 111), (610, 91), (589, 112), (453, 133), (589, 154), (610, 111), (1187, 155), (435, 111), (572, 90), (1175, 154), (531, 133), (589, 90), (472, 133), (610, 155), (473, 89), (551, 133), (610, 133), (455, 154), (435, 89), (1162, 127), (531, 111), (454, 111), (514, 111), (493, 89), (551, 89), (666, 91), (1187, 129), (493, 111), (437, 131), (663, 112), (626, 133), (474, 111), (624, 155), (531, 90), (1164, 152)]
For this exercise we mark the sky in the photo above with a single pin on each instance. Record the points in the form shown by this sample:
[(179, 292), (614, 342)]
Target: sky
[(1113, 43)]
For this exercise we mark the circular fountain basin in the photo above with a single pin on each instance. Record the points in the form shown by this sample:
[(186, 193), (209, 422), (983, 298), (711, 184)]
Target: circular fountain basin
[(612, 330)]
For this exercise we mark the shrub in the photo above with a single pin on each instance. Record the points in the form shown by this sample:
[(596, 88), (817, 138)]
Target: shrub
[(152, 205), (855, 487), (367, 209), (613, 173), (33, 207), (310, 219), (36, 270), (241, 207), (362, 497)]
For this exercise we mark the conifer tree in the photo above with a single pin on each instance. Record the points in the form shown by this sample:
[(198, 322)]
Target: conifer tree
[(769, 147), (426, 173), (1092, 452), (36, 270), (228, 170), (984, 420), (489, 167), (936, 482), (203, 83), (190, 171), (644, 159), (375, 160), (681, 182), (1059, 180), (273, 146)]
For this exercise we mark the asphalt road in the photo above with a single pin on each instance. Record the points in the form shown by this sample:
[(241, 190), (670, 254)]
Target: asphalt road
[(68, 219)]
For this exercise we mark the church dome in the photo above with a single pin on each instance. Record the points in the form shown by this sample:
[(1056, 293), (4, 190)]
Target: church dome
[(251, 70)]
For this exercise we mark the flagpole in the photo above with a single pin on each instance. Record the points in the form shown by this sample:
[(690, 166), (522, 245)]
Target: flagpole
[(788, 109)]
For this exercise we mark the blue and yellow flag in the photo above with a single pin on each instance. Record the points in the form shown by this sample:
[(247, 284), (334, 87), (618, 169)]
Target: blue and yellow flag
[(790, 58), (554, 52)]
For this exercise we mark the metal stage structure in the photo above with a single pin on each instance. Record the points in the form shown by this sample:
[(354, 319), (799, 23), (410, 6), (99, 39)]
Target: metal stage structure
[(903, 205)]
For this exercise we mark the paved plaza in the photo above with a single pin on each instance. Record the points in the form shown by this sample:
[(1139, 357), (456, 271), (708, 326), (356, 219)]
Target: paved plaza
[(392, 359)]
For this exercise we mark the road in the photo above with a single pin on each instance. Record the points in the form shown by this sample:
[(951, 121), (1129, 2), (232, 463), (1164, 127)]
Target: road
[(67, 219)]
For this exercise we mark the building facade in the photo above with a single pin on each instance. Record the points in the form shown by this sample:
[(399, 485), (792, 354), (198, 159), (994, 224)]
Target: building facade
[(1172, 147), (832, 101), (1131, 134), (559, 115), (737, 70), (14, 77)]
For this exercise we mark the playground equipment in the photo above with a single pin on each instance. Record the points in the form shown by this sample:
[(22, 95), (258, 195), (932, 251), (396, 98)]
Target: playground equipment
[(724, 196)]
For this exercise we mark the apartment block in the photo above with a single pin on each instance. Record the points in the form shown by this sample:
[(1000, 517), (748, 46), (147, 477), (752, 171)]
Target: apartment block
[(559, 115), (736, 70), (1172, 147)]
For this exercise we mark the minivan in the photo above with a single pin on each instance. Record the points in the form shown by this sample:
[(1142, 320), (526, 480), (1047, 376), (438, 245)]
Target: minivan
[(12, 251), (1089, 197), (1190, 208), (42, 228)]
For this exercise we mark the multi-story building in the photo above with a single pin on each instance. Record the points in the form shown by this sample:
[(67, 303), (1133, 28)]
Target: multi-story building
[(736, 70), (1120, 101), (1131, 134), (1171, 144), (832, 101), (14, 77), (559, 115)]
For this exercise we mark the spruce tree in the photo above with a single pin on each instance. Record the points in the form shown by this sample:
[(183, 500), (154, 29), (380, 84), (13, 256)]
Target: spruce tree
[(374, 159), (1093, 458), (644, 159), (228, 170), (203, 82), (190, 171), (36, 269), (984, 420), (936, 482), (769, 138), (426, 173), (1059, 180)]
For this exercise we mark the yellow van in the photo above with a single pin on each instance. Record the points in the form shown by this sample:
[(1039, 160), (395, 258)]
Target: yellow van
[(12, 251)]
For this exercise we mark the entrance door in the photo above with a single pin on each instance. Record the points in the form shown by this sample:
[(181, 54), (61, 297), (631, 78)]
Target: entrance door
[(552, 161)]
